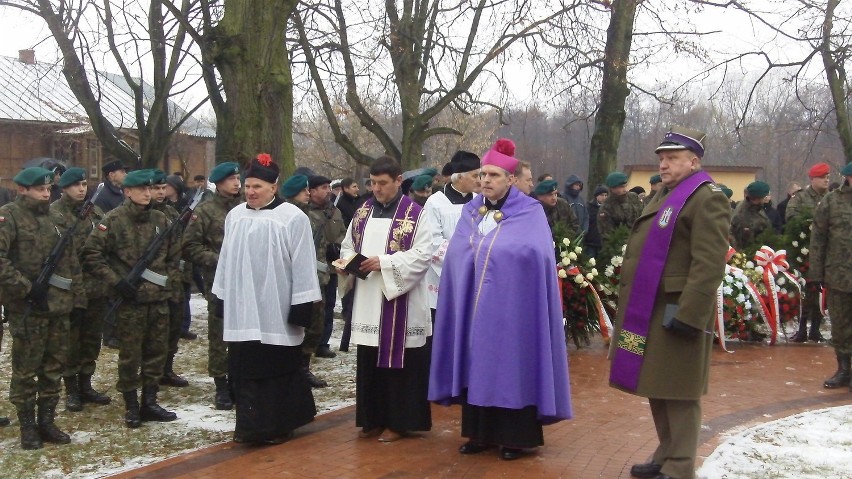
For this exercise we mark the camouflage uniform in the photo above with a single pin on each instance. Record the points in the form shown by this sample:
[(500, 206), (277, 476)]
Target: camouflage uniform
[(86, 320), (110, 252), (328, 228), (563, 216), (749, 222), (202, 241), (803, 205), (28, 232), (617, 211)]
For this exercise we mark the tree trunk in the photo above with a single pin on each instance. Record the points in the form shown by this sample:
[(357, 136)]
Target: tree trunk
[(609, 121), (836, 77), (252, 57)]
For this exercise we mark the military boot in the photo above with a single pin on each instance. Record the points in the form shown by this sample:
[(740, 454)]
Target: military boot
[(223, 394), (170, 378), (815, 335), (46, 427), (88, 394), (131, 409), (842, 376), (73, 402), (29, 434), (150, 410), (314, 381), (801, 335)]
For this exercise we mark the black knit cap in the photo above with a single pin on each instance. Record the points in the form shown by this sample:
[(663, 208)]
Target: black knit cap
[(263, 168)]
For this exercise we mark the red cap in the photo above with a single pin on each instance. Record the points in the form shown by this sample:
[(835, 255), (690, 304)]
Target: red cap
[(819, 170)]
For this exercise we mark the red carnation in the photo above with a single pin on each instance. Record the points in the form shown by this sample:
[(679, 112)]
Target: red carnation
[(264, 159), (505, 146)]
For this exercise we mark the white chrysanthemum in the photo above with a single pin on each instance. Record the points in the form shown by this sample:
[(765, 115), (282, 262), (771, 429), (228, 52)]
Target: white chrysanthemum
[(805, 251), (572, 256), (740, 298), (566, 261), (579, 279), (758, 269), (782, 290), (623, 248), (799, 259), (616, 261), (796, 244), (578, 250), (594, 271), (747, 305), (727, 290), (749, 265), (803, 235), (590, 276), (566, 241), (592, 262), (563, 254), (781, 280), (609, 271), (562, 274)]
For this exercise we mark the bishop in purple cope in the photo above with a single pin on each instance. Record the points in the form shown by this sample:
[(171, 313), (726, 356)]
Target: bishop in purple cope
[(499, 343)]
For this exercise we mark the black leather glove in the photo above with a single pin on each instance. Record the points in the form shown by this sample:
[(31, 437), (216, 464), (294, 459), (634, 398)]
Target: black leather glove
[(682, 329), (126, 290), (37, 297)]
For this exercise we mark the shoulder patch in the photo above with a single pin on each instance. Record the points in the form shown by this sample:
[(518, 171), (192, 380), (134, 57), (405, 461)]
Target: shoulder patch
[(102, 227), (715, 188)]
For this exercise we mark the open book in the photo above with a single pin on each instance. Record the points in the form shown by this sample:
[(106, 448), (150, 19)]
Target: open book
[(352, 265)]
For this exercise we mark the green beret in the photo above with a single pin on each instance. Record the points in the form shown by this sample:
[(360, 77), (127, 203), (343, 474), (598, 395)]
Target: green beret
[(847, 170), (728, 192), (293, 186), (431, 172), (546, 187), (34, 176), (223, 171), (139, 178), (422, 182), (656, 179), (757, 189), (158, 177), (616, 178), (71, 176)]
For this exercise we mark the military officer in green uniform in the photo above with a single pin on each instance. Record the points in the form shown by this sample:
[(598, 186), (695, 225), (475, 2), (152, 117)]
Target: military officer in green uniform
[(656, 185), (28, 232), (295, 190), (176, 287), (142, 320), (674, 261), (802, 207), (750, 219), (621, 207), (202, 242), (560, 217), (831, 242), (86, 319)]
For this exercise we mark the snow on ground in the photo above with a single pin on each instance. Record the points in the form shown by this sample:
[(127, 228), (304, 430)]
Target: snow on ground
[(811, 445)]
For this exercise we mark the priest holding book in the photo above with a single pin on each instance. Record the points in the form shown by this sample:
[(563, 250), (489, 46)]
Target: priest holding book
[(391, 322)]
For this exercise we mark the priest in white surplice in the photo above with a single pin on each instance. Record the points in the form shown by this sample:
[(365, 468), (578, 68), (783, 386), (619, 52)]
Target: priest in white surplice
[(266, 277), (443, 210), (390, 316)]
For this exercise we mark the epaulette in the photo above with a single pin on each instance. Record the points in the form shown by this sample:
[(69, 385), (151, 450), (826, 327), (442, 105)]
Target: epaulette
[(714, 188)]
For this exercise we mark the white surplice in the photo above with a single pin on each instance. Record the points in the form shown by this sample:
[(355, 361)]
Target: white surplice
[(267, 264), (401, 272), (443, 216)]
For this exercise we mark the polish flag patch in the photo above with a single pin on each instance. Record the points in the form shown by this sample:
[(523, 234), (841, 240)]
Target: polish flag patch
[(102, 227)]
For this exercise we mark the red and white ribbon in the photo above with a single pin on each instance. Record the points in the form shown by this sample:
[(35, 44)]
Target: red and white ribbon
[(773, 263)]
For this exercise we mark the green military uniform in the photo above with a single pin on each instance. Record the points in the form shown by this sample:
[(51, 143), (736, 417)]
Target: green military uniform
[(748, 222), (328, 229), (618, 210), (803, 203), (802, 206), (201, 244), (562, 218), (142, 320), (831, 242), (86, 320), (28, 232)]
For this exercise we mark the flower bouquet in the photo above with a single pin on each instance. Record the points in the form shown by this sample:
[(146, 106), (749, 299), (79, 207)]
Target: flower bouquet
[(583, 310)]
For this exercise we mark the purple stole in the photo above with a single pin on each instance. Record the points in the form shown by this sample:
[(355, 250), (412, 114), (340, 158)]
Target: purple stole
[(630, 350), (394, 322)]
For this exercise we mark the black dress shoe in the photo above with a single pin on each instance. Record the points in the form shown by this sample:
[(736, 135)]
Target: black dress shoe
[(649, 470), (510, 453), (471, 447)]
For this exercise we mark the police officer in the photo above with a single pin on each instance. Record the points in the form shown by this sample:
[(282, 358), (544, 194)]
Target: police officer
[(84, 341), (750, 219), (176, 287), (295, 190), (621, 207), (142, 320), (560, 217), (329, 230), (28, 232), (202, 242), (831, 241)]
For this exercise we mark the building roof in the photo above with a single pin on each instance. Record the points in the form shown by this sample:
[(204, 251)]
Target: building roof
[(38, 92)]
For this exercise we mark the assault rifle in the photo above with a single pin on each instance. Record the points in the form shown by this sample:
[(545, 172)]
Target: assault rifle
[(140, 270), (46, 276)]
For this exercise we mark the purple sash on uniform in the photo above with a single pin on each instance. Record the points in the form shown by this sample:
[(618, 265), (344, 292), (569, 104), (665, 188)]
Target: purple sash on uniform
[(394, 322), (630, 350)]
